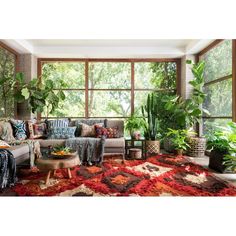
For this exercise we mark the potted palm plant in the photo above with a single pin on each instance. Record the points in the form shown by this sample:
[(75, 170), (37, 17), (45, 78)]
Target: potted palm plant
[(150, 119), (179, 140)]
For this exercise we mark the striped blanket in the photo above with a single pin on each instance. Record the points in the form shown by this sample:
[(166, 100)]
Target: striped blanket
[(7, 169)]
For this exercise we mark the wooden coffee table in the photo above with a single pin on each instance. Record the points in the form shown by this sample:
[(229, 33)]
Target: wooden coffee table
[(52, 164)]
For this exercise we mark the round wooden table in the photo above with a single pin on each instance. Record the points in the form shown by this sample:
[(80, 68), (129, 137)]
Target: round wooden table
[(52, 164)]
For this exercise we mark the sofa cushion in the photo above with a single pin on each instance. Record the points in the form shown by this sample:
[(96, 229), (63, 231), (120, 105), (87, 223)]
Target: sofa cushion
[(116, 123), (19, 150), (78, 124), (61, 132), (57, 123), (36, 130), (114, 142), (51, 142), (6, 132)]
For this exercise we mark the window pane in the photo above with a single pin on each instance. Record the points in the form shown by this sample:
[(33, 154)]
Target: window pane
[(72, 106), (212, 124), (109, 75), (109, 103), (72, 73), (7, 71), (155, 75), (219, 98), (140, 98), (218, 61)]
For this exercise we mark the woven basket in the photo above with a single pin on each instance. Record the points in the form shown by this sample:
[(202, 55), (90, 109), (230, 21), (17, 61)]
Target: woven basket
[(168, 145), (135, 153), (197, 147), (153, 147)]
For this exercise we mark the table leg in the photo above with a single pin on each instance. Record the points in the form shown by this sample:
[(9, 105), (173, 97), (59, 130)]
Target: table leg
[(69, 173), (54, 172), (47, 177)]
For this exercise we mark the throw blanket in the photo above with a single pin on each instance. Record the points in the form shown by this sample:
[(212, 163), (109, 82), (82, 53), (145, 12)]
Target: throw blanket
[(7, 169), (90, 150)]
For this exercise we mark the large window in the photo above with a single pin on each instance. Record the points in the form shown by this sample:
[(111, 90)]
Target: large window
[(218, 85), (108, 88), (7, 77)]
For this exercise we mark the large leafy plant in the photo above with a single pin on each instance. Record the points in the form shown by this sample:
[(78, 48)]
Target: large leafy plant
[(41, 95), (179, 138), (187, 113), (150, 119), (223, 139)]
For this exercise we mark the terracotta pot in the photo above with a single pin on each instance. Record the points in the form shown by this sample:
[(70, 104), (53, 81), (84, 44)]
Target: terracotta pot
[(153, 146)]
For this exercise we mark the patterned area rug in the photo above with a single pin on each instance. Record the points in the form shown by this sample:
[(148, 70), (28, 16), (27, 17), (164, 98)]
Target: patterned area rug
[(162, 175)]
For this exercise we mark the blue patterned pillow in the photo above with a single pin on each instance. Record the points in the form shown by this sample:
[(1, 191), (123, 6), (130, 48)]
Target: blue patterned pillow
[(57, 123), (19, 129), (61, 132)]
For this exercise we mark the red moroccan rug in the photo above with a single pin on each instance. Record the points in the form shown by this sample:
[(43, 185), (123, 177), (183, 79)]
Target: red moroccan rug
[(162, 175)]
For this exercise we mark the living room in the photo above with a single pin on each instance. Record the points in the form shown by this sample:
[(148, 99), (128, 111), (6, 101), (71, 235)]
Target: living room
[(117, 116)]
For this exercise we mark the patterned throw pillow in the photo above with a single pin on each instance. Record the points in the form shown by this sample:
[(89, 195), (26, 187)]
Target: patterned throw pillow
[(6, 132), (19, 129), (36, 130), (61, 132), (107, 132), (3, 144)]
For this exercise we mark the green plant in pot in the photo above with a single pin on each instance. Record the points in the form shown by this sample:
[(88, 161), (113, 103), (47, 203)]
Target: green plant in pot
[(179, 140), (222, 145), (151, 125), (134, 125), (42, 96)]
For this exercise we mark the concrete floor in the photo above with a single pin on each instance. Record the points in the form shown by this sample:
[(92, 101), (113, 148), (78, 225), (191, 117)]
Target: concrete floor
[(204, 161)]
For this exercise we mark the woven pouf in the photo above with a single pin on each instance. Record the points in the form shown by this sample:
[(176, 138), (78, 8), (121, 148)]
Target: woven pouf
[(197, 147), (153, 147), (135, 153)]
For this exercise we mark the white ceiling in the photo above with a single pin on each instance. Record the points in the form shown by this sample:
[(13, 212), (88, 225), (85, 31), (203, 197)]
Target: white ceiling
[(104, 48), (111, 43)]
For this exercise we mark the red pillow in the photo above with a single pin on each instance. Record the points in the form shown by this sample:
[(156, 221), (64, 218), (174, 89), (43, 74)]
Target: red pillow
[(107, 132)]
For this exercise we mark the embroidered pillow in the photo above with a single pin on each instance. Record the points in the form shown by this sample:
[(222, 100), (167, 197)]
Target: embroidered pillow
[(19, 129), (107, 132), (36, 130), (4, 144), (61, 132), (6, 132)]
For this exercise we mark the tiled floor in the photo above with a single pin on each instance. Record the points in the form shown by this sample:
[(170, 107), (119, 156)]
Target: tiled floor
[(204, 161)]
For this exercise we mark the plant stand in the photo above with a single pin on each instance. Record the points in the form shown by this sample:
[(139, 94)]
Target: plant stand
[(135, 144), (197, 147)]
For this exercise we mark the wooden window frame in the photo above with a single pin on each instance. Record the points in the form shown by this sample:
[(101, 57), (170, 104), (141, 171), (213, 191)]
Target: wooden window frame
[(16, 54), (132, 89), (231, 76)]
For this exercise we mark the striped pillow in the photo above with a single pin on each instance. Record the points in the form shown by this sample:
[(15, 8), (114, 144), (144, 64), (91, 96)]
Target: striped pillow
[(57, 123)]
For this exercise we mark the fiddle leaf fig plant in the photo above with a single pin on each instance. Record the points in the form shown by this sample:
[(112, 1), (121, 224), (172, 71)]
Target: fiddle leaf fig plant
[(41, 95)]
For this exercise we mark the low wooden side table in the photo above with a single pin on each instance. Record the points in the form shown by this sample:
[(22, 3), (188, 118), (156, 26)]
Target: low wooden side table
[(50, 164), (133, 143)]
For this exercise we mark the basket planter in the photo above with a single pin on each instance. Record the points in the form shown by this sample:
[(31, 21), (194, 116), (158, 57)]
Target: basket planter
[(216, 161), (153, 146), (197, 147), (168, 145)]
